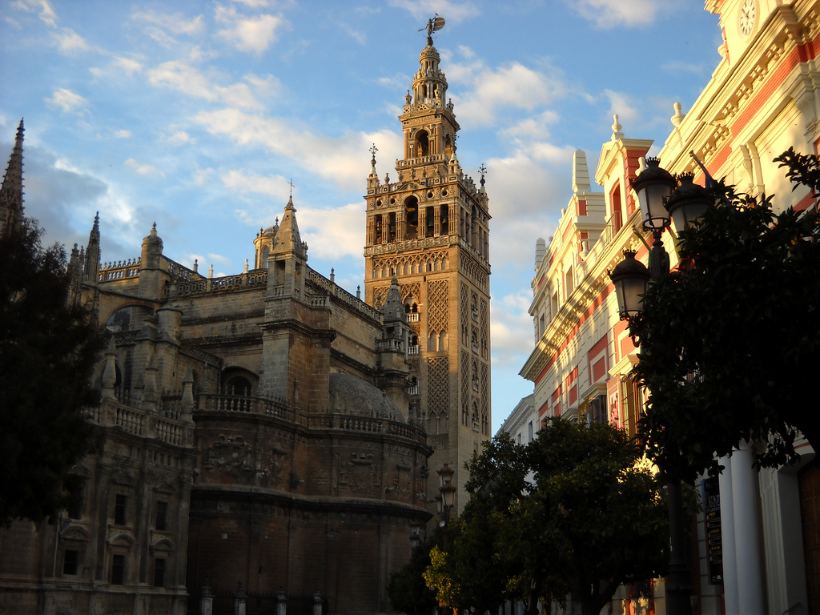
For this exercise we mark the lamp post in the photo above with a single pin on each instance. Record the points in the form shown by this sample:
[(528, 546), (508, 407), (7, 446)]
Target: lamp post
[(447, 492), (662, 201)]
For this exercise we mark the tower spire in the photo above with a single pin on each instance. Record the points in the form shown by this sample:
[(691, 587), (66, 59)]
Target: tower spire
[(11, 192)]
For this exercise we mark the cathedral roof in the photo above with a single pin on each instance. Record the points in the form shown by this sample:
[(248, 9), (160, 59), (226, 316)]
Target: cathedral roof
[(352, 395)]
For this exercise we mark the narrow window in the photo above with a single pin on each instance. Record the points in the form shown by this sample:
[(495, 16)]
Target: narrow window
[(159, 572), (162, 516), (71, 558), (75, 505), (443, 220), (377, 229), (120, 504), (117, 569), (429, 220), (391, 227)]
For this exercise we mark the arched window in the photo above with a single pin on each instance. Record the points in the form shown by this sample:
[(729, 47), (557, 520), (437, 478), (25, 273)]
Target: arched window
[(237, 387), (422, 143), (431, 342), (411, 217), (442, 341)]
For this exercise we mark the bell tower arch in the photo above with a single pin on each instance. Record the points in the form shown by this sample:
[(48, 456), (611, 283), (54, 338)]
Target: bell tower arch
[(430, 228)]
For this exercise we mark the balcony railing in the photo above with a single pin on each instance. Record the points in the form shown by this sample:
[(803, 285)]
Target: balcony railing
[(412, 317)]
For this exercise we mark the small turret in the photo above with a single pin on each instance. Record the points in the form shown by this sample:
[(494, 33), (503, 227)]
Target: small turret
[(151, 278), (580, 173), (151, 249), (288, 258), (11, 192)]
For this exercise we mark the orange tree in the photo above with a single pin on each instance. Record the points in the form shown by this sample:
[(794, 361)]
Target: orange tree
[(729, 339)]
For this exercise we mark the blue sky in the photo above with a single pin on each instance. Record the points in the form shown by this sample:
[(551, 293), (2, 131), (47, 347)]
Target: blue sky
[(197, 114)]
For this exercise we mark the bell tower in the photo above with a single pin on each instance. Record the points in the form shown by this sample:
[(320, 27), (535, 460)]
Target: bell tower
[(429, 227)]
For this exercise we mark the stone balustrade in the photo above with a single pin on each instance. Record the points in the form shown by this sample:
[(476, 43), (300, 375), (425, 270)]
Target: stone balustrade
[(141, 422)]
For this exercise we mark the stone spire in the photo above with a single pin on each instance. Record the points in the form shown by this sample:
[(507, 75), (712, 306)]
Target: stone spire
[(288, 238), (92, 252), (393, 309), (11, 192), (580, 172)]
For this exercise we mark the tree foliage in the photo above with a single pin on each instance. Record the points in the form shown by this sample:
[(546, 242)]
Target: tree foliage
[(407, 589), (47, 353), (574, 512), (728, 339)]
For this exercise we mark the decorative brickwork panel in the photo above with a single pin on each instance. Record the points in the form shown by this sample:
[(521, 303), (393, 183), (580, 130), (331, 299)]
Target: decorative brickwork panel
[(409, 292), (380, 296), (485, 402), (484, 328), (437, 306), (465, 388), (438, 386), (464, 312)]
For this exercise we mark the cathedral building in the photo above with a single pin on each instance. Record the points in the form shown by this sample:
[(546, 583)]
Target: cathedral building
[(268, 438)]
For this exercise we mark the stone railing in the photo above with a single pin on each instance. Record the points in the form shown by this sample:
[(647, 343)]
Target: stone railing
[(245, 405), (367, 424), (180, 273), (336, 291), (279, 409), (141, 422), (194, 286), (119, 270), (392, 247), (409, 162), (389, 345)]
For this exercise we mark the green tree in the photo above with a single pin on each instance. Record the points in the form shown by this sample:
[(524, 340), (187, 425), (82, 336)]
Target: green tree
[(728, 338), (47, 353), (590, 518), (407, 590)]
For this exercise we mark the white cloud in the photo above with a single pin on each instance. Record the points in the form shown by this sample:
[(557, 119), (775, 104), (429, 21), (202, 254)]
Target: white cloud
[(526, 196), (333, 233), (357, 35), (343, 159), (511, 328), (532, 127), (119, 66), (423, 9), (123, 133), (623, 105), (42, 7), (399, 81), (68, 41), (675, 66), (514, 85), (67, 100), (607, 14), (187, 79), (180, 137), (273, 186), (164, 27), (141, 168), (254, 34)]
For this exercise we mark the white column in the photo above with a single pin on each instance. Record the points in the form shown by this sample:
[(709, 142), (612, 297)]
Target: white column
[(748, 550), (727, 537)]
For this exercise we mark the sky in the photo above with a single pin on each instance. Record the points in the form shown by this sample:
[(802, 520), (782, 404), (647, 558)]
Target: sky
[(199, 114)]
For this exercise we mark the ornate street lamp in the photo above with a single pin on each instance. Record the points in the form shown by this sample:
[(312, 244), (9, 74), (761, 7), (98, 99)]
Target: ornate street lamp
[(654, 186), (630, 277), (688, 203), (660, 204), (447, 491)]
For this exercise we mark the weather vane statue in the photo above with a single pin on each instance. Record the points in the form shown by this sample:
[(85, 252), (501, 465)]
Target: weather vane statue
[(434, 24)]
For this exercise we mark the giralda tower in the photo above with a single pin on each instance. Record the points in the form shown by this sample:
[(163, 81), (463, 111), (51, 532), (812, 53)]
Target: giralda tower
[(429, 227)]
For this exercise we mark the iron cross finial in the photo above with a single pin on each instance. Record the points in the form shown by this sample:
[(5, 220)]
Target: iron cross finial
[(483, 171)]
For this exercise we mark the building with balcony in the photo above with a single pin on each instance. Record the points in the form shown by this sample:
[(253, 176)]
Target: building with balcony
[(757, 548)]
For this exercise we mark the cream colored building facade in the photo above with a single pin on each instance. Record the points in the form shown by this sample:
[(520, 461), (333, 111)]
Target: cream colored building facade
[(763, 96)]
